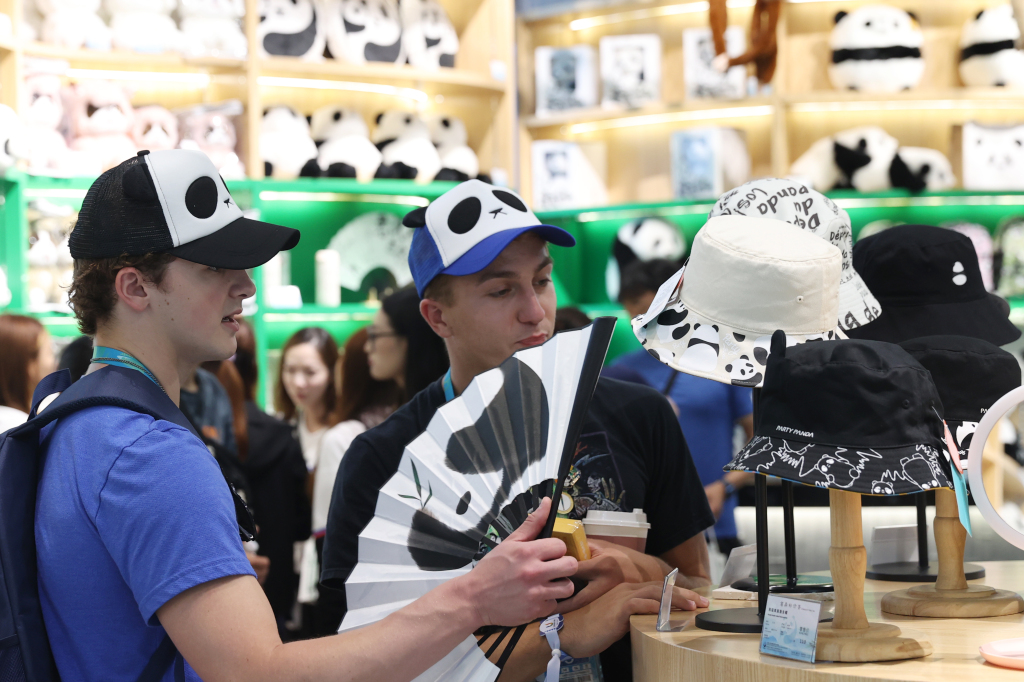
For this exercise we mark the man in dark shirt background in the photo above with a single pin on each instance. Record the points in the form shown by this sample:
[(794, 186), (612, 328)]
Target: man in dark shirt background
[(488, 296)]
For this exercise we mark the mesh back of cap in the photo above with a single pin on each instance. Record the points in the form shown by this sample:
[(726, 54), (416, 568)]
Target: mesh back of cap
[(111, 224)]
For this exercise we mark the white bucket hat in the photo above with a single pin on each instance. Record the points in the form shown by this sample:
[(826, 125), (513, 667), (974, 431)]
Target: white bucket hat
[(746, 277), (799, 205)]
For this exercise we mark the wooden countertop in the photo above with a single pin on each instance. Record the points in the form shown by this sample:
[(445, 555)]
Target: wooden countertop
[(691, 654)]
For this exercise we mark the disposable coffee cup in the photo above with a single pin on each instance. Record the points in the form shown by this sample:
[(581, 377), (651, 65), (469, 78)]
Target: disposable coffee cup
[(627, 529)]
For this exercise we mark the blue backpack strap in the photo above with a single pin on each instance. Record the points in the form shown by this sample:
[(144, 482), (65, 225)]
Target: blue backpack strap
[(52, 383)]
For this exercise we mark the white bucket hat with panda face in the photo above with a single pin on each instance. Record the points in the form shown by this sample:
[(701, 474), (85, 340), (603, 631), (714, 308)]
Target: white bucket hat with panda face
[(746, 277), (799, 205)]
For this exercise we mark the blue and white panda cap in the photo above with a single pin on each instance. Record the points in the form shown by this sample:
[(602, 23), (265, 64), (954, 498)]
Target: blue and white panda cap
[(795, 203), (746, 277), (463, 230)]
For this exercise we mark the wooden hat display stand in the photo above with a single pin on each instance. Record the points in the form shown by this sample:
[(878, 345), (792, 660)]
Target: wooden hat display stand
[(850, 637), (950, 596)]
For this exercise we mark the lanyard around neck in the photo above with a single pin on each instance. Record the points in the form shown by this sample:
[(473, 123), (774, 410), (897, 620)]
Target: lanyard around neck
[(120, 358), (449, 390)]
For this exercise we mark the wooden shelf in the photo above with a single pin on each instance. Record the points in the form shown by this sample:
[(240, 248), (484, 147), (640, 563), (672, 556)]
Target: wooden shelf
[(910, 100), (668, 113), (391, 74), (132, 61)]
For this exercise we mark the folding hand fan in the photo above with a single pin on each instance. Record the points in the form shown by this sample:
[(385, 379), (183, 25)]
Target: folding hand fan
[(486, 460)]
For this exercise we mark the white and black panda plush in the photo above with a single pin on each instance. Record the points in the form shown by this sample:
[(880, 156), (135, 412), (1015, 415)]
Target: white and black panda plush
[(920, 168), (403, 139), (361, 31), (642, 239), (285, 145), (343, 142), (458, 161), (429, 38), (290, 28), (858, 158), (876, 48), (988, 53)]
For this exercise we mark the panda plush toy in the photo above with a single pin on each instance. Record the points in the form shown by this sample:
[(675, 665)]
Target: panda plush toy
[(988, 53), (458, 161), (343, 143), (876, 48), (859, 158), (287, 149), (360, 31), (429, 38), (643, 239), (403, 139), (920, 168), (290, 28)]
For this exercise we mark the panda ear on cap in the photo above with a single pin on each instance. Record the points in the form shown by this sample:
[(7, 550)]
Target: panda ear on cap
[(778, 345), (416, 217), (839, 15)]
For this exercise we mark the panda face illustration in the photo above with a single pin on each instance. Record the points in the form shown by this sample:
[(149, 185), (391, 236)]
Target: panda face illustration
[(508, 436), (288, 27), (920, 471), (882, 488), (672, 324), (743, 372), (701, 354), (373, 30), (838, 471)]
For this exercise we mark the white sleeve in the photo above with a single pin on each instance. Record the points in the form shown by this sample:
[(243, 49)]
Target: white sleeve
[(333, 447)]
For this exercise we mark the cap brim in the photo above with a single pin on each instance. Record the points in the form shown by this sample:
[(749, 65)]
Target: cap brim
[(239, 245), (985, 319), (900, 470), (689, 342), (484, 253)]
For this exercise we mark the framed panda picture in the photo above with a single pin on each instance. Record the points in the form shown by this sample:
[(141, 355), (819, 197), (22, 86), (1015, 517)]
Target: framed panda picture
[(708, 161), (563, 177), (704, 81), (630, 71), (566, 78)]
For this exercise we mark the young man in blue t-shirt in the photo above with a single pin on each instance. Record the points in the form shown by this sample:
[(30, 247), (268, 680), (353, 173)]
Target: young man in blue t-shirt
[(709, 411), (135, 526)]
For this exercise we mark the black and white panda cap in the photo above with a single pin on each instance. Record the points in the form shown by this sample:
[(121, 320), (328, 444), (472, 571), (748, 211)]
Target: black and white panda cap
[(175, 202), (463, 230)]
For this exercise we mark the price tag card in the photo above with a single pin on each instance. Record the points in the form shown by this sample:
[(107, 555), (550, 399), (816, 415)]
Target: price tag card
[(790, 628)]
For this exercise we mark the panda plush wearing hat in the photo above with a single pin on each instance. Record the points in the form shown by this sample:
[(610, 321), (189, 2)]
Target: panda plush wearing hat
[(988, 53), (876, 48), (403, 139), (361, 31), (430, 39), (290, 28), (343, 144)]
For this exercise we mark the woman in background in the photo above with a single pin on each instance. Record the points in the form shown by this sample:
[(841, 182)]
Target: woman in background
[(27, 357), (401, 346), (306, 389)]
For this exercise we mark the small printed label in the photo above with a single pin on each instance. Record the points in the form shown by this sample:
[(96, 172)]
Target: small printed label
[(790, 628)]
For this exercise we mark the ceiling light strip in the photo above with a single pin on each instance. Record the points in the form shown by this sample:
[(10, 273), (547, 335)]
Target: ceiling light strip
[(348, 86), (670, 117)]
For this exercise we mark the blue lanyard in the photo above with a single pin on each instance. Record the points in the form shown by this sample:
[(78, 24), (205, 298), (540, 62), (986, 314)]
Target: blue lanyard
[(119, 358), (449, 390)]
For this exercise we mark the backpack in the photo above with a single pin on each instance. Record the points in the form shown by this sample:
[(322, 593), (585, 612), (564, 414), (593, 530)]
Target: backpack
[(25, 654)]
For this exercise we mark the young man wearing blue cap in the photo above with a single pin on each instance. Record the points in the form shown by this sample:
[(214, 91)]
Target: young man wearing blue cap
[(480, 261), (138, 547)]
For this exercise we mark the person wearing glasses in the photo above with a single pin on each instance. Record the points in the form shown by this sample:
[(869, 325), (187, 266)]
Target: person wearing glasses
[(137, 538)]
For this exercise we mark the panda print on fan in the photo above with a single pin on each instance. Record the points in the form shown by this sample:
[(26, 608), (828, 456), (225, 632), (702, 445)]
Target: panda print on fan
[(404, 142), (290, 28), (642, 239), (876, 48), (429, 38), (361, 31), (488, 456), (988, 53)]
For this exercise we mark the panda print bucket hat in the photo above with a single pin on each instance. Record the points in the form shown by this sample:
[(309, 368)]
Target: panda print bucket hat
[(465, 228), (745, 278), (799, 205), (172, 201), (861, 416)]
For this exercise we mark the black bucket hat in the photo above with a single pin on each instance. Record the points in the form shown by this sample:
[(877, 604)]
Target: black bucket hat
[(861, 416), (970, 375), (928, 282)]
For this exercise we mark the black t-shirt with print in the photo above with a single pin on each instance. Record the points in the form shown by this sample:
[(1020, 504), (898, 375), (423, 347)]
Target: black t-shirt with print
[(631, 455)]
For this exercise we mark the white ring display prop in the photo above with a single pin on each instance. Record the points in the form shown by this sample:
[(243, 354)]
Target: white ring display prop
[(974, 466)]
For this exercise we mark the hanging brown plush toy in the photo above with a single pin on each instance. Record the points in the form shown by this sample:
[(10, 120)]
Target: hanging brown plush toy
[(763, 46)]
